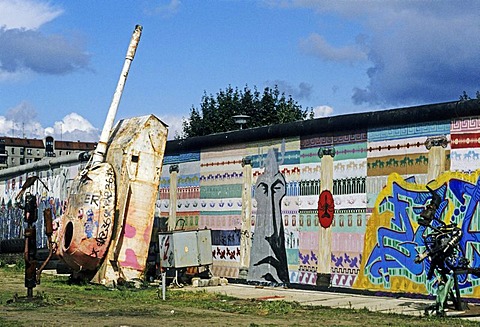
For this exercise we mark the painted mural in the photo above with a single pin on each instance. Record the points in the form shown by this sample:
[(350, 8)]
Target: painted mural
[(209, 196), (52, 196), (285, 156), (349, 193), (394, 237), (378, 188), (268, 259)]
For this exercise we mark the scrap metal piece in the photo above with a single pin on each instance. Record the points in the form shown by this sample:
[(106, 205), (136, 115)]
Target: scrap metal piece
[(87, 223), (136, 152), (100, 151)]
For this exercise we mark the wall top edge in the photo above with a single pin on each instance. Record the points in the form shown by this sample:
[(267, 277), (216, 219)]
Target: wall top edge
[(334, 124)]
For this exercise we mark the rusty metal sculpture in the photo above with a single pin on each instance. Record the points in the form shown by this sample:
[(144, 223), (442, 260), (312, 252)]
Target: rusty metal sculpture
[(445, 255), (87, 223), (88, 219), (30, 214)]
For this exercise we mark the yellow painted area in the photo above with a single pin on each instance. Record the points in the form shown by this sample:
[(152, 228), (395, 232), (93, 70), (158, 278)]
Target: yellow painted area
[(377, 220)]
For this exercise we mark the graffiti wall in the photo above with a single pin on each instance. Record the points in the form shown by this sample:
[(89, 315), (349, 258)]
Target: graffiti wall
[(375, 182), (378, 186), (51, 193), (393, 236)]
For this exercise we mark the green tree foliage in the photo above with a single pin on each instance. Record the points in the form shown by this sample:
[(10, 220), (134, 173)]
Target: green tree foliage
[(466, 97), (267, 108)]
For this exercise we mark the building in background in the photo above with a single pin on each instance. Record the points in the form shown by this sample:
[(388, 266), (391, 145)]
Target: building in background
[(20, 151)]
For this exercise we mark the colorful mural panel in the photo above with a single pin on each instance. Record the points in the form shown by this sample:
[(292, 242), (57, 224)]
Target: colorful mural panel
[(54, 196), (378, 186), (393, 235)]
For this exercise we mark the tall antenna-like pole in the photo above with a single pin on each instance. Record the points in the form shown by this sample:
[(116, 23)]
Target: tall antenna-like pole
[(99, 154)]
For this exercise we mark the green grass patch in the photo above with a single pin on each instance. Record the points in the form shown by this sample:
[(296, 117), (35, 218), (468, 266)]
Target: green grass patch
[(59, 303)]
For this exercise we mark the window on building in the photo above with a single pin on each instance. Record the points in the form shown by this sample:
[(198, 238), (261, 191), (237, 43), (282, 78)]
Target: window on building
[(29, 151), (22, 161), (13, 150), (22, 151), (49, 151), (2, 147)]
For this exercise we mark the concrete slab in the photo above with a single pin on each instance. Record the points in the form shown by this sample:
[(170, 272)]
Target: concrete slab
[(384, 304), (405, 306)]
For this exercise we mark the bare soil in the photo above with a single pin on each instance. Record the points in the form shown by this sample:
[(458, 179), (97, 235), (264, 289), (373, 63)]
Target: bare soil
[(58, 303)]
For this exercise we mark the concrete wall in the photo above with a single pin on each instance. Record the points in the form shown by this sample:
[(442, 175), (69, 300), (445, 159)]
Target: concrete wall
[(57, 180), (376, 174)]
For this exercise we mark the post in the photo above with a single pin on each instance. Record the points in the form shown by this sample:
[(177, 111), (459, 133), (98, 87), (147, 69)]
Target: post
[(30, 252), (436, 156), (245, 237), (172, 215), (164, 284), (325, 234)]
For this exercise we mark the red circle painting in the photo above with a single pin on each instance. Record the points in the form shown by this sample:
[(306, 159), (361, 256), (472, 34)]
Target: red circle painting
[(326, 209)]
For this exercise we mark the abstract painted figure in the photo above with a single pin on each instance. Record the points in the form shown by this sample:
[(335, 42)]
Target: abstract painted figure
[(268, 260)]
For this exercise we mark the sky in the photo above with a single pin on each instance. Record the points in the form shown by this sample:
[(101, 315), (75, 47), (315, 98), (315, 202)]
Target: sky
[(60, 61)]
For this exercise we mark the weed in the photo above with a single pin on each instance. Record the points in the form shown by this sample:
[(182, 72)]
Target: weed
[(90, 303)]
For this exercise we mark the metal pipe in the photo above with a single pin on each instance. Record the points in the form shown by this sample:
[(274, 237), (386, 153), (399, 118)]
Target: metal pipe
[(164, 284), (45, 163), (101, 149), (47, 220)]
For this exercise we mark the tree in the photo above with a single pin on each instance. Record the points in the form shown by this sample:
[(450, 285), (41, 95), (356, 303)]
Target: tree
[(215, 114), (466, 97)]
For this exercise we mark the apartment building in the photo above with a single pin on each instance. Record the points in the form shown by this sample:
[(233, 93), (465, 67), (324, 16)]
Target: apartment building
[(20, 151)]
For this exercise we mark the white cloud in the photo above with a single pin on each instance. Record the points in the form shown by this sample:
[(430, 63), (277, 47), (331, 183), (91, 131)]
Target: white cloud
[(322, 111), (316, 45), (166, 8), (28, 50), (26, 14), (175, 125), (418, 52), (18, 75), (303, 91), (74, 127), (21, 121), (25, 49)]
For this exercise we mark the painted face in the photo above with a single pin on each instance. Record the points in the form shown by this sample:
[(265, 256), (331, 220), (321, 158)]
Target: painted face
[(268, 261), (269, 195)]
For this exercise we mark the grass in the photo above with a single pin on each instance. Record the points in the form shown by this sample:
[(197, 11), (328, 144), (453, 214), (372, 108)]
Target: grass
[(57, 303)]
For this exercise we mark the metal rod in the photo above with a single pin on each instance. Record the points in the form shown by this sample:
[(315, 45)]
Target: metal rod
[(45, 163), (164, 284), (100, 151)]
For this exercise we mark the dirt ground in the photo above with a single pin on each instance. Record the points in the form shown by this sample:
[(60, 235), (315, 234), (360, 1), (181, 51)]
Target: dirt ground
[(58, 303), (87, 306)]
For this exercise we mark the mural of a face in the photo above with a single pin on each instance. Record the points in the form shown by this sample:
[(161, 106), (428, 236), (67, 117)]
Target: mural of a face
[(268, 260)]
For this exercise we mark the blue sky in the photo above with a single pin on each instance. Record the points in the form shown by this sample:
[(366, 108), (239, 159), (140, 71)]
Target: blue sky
[(60, 60)]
